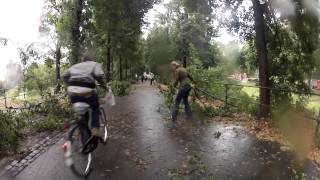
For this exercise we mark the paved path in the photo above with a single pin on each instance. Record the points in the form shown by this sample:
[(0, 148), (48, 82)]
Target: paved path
[(145, 145)]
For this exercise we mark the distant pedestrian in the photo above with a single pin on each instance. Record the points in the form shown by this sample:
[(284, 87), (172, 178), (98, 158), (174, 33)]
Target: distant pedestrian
[(151, 78), (182, 78), (144, 76)]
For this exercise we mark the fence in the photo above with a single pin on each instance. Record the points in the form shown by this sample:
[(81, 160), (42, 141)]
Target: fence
[(16, 103), (226, 99)]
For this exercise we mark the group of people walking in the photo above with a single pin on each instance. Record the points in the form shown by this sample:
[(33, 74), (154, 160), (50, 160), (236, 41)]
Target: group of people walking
[(146, 77)]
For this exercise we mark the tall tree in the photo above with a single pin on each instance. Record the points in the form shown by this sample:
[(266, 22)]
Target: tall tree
[(58, 67), (262, 59), (75, 31)]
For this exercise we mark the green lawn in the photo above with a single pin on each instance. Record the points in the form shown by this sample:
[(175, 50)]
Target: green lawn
[(251, 91), (15, 97), (314, 101)]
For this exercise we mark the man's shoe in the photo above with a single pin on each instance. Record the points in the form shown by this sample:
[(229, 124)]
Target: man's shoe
[(91, 144)]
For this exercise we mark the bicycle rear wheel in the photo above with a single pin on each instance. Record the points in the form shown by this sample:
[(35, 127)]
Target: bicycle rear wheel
[(103, 124), (80, 163)]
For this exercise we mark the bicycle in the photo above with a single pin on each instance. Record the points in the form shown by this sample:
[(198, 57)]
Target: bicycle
[(78, 150)]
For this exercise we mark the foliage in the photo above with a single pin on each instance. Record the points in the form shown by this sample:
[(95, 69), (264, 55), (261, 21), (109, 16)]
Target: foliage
[(213, 81), (292, 40), (49, 123), (57, 105), (10, 126), (39, 78), (244, 102), (13, 94), (47, 116), (56, 109), (247, 60), (120, 88), (169, 95), (158, 52)]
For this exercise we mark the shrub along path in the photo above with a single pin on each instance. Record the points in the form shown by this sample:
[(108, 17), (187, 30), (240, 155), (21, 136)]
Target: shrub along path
[(144, 144)]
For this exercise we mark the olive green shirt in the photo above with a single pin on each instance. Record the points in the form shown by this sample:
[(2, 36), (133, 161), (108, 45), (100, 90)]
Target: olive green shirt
[(181, 77)]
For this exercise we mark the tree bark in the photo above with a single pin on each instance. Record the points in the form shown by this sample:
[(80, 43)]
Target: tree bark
[(111, 64), (75, 32), (184, 39), (120, 69), (126, 67), (109, 59), (184, 52), (58, 69), (261, 52)]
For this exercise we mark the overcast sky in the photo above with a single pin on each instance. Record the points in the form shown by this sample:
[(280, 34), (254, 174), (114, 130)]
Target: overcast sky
[(20, 19), (19, 22)]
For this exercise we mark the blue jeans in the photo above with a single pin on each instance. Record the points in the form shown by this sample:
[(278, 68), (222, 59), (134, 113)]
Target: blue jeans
[(183, 94), (93, 101)]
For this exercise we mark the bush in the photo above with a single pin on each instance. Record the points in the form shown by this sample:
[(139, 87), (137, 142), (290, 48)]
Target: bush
[(9, 132), (49, 123), (168, 95), (120, 88), (212, 81), (57, 110), (56, 105)]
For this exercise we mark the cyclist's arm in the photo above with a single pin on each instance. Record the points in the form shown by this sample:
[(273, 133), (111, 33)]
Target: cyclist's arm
[(101, 82), (99, 76)]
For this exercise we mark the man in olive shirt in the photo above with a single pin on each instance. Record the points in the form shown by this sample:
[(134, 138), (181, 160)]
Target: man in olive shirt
[(182, 78)]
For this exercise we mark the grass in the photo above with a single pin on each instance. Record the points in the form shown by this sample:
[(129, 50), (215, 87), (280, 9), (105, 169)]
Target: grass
[(15, 98), (251, 91), (314, 101)]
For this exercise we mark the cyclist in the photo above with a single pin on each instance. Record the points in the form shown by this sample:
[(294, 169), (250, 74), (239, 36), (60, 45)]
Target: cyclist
[(81, 79), (182, 78)]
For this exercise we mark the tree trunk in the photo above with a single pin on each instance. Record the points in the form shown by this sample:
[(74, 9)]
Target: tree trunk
[(120, 69), (112, 65), (58, 73), (126, 64), (75, 32), (109, 59), (261, 51), (184, 54), (184, 40)]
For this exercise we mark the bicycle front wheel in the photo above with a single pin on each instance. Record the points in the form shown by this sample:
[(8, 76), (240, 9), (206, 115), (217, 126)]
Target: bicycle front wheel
[(80, 163)]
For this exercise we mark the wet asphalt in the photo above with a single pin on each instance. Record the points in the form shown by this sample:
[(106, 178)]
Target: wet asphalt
[(145, 145)]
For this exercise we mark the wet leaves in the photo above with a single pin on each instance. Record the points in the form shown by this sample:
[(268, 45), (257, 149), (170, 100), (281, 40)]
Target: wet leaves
[(217, 134), (196, 166), (193, 168), (137, 160)]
